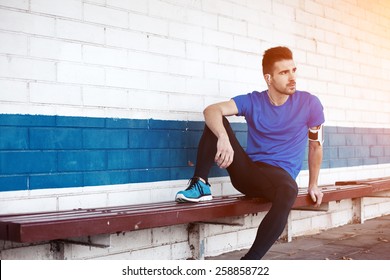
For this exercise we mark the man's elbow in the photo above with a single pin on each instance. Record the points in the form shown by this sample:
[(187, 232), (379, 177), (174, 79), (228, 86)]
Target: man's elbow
[(315, 146)]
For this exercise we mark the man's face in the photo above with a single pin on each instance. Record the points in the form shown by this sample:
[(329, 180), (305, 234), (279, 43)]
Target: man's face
[(283, 77)]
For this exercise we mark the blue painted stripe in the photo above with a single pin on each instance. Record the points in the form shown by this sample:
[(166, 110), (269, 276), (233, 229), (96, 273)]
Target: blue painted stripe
[(38, 152)]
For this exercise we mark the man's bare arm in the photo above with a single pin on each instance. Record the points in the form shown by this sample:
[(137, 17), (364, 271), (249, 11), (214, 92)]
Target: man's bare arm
[(315, 160), (213, 115)]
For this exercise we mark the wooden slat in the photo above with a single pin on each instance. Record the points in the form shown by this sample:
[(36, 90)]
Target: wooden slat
[(45, 226), (34, 228)]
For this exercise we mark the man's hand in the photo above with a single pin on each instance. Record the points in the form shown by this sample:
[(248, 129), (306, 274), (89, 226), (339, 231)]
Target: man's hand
[(316, 195), (225, 152)]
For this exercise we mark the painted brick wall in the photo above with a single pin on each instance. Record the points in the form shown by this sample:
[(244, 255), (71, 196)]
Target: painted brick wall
[(38, 152), (76, 75), (103, 58)]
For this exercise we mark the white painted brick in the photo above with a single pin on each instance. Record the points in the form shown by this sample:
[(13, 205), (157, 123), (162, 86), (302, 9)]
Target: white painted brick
[(340, 218), (80, 74), (247, 44), (132, 240), (247, 14), (69, 8), (221, 72), (53, 49), (305, 17), (181, 251), (300, 57), (246, 237), (241, 59), (185, 67), (13, 91), (232, 26), (20, 4), (306, 71), (23, 68), (325, 24), (81, 201), (129, 5), (186, 103), (36, 252), (31, 204), (126, 39), (219, 7), (332, 37), (202, 19), (219, 39), (168, 11), (155, 101), (147, 61), (148, 24), (249, 76), (186, 31), (201, 86), (283, 11), (55, 94), (80, 31), (338, 64), (231, 89), (314, 8), (189, 4), (259, 32), (265, 5), (343, 29), (215, 245), (168, 83), (106, 16), (103, 97), (166, 46), (165, 194), (326, 75), (126, 78), (25, 22), (13, 43), (156, 253), (104, 56), (303, 225), (201, 52), (283, 38), (101, 2), (161, 236)]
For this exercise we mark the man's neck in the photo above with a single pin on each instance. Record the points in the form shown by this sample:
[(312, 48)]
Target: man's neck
[(276, 98)]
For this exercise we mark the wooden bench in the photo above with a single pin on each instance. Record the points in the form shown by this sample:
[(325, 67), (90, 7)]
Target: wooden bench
[(63, 225)]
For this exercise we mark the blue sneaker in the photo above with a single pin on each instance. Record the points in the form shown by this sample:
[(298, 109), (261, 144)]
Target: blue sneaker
[(197, 191)]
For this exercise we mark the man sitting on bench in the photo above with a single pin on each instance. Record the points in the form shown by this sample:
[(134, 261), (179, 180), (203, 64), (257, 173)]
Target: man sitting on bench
[(280, 120)]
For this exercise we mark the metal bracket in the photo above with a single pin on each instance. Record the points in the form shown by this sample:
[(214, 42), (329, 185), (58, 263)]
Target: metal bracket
[(89, 244), (220, 223)]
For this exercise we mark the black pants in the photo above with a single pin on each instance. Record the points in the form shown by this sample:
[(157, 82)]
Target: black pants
[(255, 179)]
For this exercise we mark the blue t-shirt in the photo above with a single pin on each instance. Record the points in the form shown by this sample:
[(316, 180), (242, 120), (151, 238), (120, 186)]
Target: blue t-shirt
[(278, 135)]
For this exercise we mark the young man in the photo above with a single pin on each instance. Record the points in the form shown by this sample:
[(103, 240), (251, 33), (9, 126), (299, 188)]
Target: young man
[(280, 121)]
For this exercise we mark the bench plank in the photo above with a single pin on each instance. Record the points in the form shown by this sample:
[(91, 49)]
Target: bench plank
[(46, 226)]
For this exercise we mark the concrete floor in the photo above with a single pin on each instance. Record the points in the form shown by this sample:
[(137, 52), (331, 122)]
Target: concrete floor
[(368, 241)]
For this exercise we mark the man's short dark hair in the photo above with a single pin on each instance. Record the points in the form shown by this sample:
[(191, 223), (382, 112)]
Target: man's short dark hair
[(274, 55)]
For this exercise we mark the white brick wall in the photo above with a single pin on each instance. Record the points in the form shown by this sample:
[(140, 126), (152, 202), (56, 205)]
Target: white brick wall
[(206, 51)]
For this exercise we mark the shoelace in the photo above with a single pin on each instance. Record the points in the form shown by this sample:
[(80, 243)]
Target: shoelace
[(194, 183)]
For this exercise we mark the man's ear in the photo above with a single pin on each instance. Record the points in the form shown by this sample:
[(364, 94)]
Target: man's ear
[(268, 78)]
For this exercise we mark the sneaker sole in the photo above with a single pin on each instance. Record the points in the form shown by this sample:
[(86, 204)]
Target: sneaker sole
[(182, 198)]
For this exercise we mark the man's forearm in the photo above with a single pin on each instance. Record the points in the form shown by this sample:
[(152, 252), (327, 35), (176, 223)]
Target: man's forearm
[(213, 118), (315, 161)]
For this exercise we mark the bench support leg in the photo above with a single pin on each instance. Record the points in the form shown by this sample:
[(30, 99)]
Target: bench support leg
[(358, 210), (196, 240), (289, 228)]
